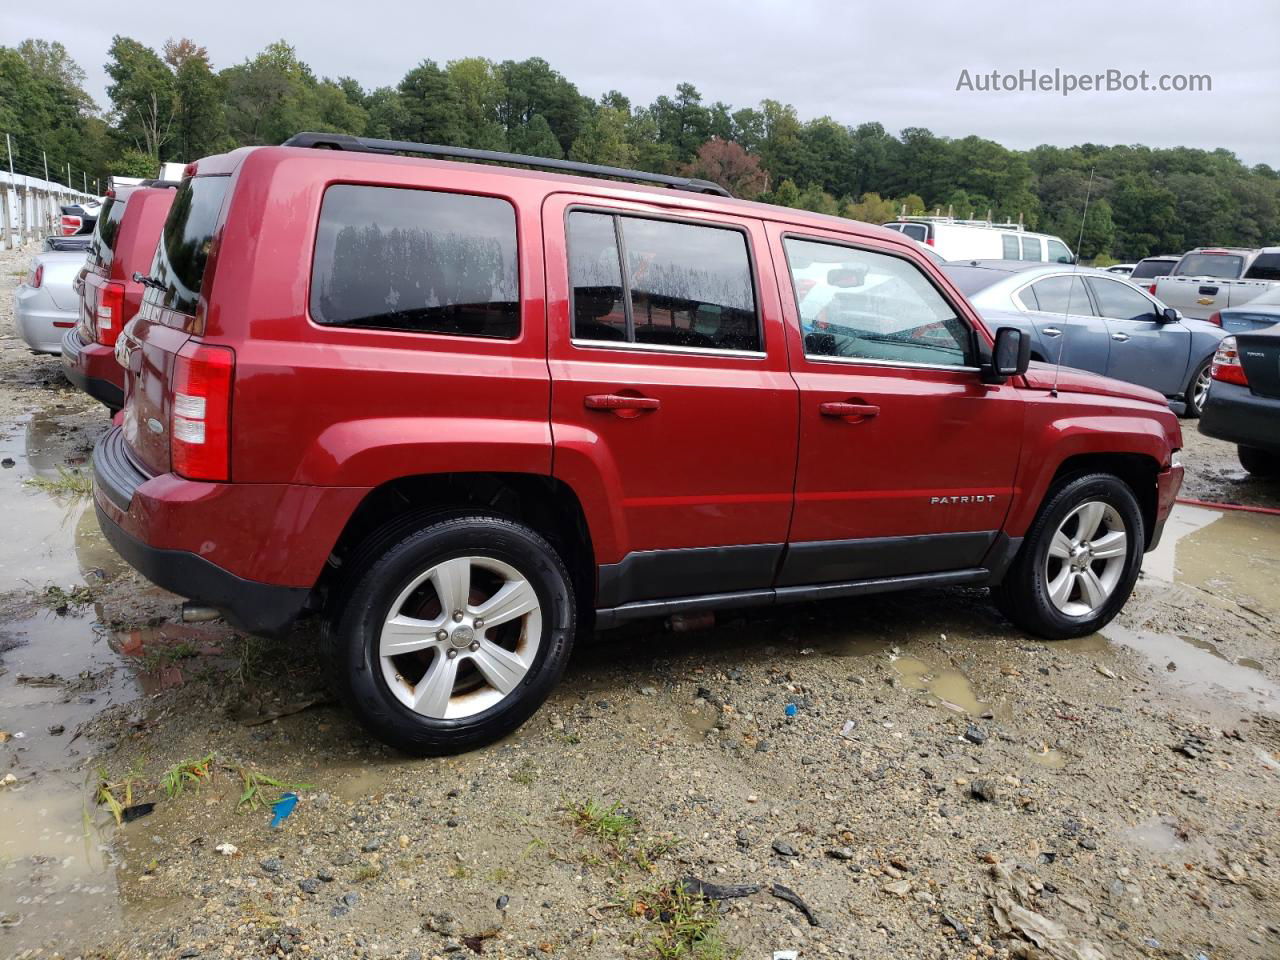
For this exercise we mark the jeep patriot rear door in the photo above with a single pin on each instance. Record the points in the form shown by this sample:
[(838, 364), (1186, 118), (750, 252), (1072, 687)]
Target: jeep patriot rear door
[(907, 459), (672, 411)]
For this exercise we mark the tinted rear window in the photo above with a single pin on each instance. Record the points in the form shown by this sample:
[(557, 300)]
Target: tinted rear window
[(418, 260), (184, 246), (1152, 268), (1266, 267), (102, 246), (1225, 266)]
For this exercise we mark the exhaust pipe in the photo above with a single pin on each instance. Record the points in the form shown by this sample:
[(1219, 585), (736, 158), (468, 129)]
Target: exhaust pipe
[(195, 613)]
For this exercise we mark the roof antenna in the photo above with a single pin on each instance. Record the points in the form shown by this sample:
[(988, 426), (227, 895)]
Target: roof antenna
[(1075, 267)]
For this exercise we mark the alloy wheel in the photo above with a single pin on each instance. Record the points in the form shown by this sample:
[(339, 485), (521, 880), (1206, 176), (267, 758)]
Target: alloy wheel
[(460, 637), (1086, 558)]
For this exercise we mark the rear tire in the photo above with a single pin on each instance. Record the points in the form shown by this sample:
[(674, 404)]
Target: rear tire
[(409, 649), (1078, 562), (1260, 463), (1197, 390)]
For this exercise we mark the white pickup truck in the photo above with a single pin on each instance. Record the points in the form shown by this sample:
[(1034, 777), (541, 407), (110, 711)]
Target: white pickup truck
[(1209, 279)]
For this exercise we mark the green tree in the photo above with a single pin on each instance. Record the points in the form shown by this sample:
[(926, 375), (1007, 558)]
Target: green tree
[(482, 93), (536, 139), (199, 121), (604, 140), (270, 97), (143, 95), (432, 106)]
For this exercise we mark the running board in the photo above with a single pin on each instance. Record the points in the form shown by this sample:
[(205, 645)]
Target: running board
[(643, 609)]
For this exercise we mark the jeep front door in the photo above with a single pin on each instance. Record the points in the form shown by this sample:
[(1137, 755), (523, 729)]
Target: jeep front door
[(907, 460)]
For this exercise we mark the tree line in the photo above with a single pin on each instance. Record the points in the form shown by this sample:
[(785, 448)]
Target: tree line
[(172, 104)]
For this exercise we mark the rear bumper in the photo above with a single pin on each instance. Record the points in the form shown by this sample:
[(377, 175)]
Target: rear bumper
[(34, 315), (253, 551), (92, 368), (1238, 415)]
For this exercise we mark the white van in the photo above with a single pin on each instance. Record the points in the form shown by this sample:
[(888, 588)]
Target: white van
[(982, 240)]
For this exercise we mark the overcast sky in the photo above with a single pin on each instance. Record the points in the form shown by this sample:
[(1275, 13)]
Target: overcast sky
[(855, 60)]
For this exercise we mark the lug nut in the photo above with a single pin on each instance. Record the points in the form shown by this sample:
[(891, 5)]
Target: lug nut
[(479, 623), (452, 654), (457, 616), (474, 647), (442, 634)]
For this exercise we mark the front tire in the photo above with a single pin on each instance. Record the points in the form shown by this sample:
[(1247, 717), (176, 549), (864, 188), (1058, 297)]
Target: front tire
[(1078, 562), (452, 635), (1260, 463)]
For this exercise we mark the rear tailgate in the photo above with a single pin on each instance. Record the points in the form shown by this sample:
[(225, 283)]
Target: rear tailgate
[(166, 320), (1194, 296), (1260, 357)]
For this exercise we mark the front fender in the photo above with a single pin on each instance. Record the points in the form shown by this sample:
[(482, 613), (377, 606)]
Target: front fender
[(1083, 432)]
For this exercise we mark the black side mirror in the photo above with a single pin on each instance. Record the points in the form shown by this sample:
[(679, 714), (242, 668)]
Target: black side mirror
[(1010, 356)]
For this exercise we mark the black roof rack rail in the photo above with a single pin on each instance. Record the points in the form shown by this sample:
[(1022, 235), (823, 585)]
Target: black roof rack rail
[(342, 141)]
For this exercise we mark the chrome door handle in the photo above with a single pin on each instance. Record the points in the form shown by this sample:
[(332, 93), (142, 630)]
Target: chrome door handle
[(1052, 332), (1121, 337)]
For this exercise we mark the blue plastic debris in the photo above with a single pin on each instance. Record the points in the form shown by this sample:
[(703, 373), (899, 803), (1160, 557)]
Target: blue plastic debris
[(283, 807), (791, 709)]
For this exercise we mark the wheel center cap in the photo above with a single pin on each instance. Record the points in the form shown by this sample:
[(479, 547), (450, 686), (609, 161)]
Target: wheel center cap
[(1080, 555), (462, 636)]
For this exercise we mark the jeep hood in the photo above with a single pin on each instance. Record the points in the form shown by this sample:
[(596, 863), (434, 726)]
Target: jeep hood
[(1040, 376)]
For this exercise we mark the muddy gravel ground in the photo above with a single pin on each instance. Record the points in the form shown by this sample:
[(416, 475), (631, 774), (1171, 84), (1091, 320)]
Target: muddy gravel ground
[(899, 777)]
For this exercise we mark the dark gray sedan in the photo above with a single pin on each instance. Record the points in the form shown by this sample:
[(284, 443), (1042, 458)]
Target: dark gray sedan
[(1244, 399), (1095, 321)]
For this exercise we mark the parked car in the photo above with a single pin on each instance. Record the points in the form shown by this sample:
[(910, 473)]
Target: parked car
[(435, 405), (1146, 270), (1091, 320), (79, 218), (1244, 400), (1258, 314), (1209, 279), (80, 242), (1121, 269), (121, 254), (981, 240), (46, 303)]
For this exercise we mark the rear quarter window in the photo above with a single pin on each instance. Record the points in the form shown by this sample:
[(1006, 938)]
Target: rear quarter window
[(183, 251), (391, 258), (1222, 266), (1149, 269)]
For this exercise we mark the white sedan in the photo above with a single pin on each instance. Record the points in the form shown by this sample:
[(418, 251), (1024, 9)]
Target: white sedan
[(46, 302)]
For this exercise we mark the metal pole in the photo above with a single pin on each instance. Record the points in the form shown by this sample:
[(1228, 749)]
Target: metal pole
[(69, 186), (86, 181), (46, 165), (9, 149)]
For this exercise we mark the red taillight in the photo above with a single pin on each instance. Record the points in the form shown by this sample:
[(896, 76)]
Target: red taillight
[(200, 415), (1226, 363), (70, 225), (1215, 318), (1151, 289), (108, 315), (37, 276), (929, 241)]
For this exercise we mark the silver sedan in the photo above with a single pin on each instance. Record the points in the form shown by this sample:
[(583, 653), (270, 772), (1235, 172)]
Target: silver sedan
[(1096, 321), (46, 302)]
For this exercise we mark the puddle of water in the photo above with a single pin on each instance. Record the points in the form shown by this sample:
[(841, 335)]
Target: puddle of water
[(56, 875), (1158, 835), (363, 782), (1053, 759), (1238, 556), (949, 686), (1200, 669), (1183, 522)]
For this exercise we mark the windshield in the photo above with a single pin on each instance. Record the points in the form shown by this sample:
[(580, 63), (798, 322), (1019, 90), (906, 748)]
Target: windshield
[(1152, 268), (102, 246), (1224, 266), (184, 246)]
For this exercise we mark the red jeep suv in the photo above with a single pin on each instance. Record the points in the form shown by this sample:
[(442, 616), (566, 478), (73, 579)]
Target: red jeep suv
[(465, 411), (123, 244)]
